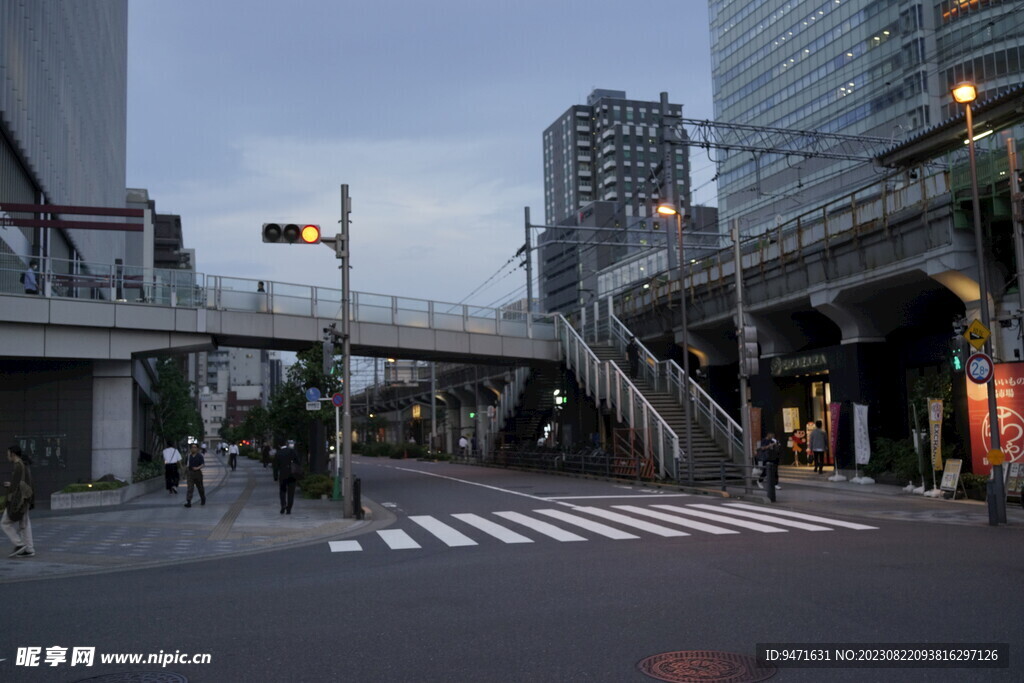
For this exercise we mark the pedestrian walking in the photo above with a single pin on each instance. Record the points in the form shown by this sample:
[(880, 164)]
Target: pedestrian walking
[(463, 445), (289, 469), (633, 354), (20, 499), (233, 456), (172, 458), (194, 472), (30, 278), (265, 454), (817, 442)]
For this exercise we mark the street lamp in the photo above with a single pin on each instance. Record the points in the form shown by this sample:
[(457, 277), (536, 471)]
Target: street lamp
[(666, 209), (965, 93)]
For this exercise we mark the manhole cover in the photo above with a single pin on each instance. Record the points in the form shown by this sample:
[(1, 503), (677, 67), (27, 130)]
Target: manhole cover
[(138, 677), (699, 666)]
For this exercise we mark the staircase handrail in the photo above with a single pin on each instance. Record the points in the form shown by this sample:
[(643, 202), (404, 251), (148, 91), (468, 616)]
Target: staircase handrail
[(719, 421), (606, 380)]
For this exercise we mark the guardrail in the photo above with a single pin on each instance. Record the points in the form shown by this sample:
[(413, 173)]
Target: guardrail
[(667, 376), (604, 380), (60, 278)]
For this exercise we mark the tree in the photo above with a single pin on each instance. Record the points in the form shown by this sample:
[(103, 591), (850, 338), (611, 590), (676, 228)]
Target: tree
[(256, 425), (175, 416)]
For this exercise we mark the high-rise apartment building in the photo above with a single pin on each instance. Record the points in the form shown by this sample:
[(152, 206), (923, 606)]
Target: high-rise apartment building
[(881, 68), (608, 150), (604, 172)]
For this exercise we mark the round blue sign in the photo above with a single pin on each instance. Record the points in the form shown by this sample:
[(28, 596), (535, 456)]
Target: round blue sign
[(312, 394)]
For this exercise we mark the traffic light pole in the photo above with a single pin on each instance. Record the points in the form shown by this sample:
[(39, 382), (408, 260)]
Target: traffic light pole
[(341, 250)]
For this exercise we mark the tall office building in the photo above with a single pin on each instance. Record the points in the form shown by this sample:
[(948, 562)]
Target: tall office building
[(605, 168), (860, 67), (63, 121)]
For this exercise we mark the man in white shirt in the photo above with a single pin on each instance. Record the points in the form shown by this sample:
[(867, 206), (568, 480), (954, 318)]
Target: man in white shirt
[(233, 455), (171, 459), (463, 446)]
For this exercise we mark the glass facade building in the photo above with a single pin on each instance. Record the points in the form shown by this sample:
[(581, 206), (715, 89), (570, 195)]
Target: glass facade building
[(880, 68)]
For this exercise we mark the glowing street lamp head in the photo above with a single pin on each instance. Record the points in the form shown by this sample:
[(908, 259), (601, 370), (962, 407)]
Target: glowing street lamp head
[(965, 93), (667, 210)]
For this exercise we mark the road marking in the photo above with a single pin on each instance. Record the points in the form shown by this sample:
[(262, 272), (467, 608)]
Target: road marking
[(805, 517), (689, 523), (646, 496), (767, 518), (541, 527), (753, 526), (450, 536), (473, 483), (344, 546), (496, 530), (655, 529), (597, 528), (398, 539)]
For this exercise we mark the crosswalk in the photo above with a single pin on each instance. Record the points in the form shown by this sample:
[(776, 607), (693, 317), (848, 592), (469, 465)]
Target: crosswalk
[(575, 523)]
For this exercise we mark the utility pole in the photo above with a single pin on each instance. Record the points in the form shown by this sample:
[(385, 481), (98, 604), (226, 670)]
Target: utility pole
[(741, 329)]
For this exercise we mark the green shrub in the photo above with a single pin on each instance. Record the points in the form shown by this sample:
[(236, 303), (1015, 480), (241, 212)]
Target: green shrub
[(94, 486), (147, 470), (316, 485), (975, 485), (409, 450), (378, 450), (896, 457)]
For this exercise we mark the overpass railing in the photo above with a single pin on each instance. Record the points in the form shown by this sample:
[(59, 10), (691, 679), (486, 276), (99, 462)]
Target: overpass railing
[(604, 380), (62, 278)]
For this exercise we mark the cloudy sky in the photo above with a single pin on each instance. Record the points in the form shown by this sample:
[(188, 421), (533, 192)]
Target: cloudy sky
[(432, 111)]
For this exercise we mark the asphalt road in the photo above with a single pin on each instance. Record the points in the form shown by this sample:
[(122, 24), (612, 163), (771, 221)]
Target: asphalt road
[(544, 608)]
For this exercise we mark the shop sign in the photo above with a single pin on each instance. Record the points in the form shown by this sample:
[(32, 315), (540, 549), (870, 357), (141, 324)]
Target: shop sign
[(799, 365), (1009, 388)]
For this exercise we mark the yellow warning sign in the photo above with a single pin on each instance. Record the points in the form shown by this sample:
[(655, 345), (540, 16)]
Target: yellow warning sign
[(995, 457), (977, 334)]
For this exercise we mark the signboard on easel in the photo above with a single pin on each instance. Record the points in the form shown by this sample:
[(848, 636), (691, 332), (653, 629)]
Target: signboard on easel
[(951, 474), (1014, 478)]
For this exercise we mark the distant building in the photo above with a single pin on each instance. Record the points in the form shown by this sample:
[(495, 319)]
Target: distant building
[(604, 169)]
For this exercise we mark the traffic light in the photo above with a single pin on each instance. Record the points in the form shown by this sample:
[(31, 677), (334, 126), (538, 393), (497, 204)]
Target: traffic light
[(958, 353), (291, 233), (749, 364), (328, 352)]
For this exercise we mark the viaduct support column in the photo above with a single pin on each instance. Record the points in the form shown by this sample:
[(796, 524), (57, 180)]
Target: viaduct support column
[(113, 407)]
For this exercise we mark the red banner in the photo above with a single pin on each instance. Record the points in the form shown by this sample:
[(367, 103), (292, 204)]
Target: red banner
[(833, 446), (1009, 381)]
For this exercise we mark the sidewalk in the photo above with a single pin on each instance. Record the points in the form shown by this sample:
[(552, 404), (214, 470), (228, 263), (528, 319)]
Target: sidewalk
[(242, 514), (800, 488)]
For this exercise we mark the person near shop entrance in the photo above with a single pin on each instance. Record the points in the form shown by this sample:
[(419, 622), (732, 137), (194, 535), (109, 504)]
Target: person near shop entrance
[(818, 443)]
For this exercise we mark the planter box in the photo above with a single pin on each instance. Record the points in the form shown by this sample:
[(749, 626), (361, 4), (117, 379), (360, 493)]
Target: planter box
[(89, 499)]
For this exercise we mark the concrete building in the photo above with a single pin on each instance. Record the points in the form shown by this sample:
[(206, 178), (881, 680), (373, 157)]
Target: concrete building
[(605, 167), (857, 67)]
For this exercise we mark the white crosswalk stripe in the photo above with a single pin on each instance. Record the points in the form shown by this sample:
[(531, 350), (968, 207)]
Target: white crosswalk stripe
[(696, 518), (656, 529), (589, 525), (806, 517), (541, 527), (450, 536), (769, 518), (398, 539), (496, 530), (723, 519), (675, 519)]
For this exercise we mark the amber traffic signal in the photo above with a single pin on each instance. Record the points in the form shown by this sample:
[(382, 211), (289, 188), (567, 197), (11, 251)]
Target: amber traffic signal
[(291, 233)]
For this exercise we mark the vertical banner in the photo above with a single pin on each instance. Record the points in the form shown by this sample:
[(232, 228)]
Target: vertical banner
[(935, 431), (834, 410), (755, 428), (861, 442), (1009, 380)]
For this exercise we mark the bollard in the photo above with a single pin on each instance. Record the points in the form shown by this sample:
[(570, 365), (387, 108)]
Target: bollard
[(357, 498), (773, 479)]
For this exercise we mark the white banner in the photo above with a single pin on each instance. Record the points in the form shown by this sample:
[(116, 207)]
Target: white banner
[(861, 444)]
